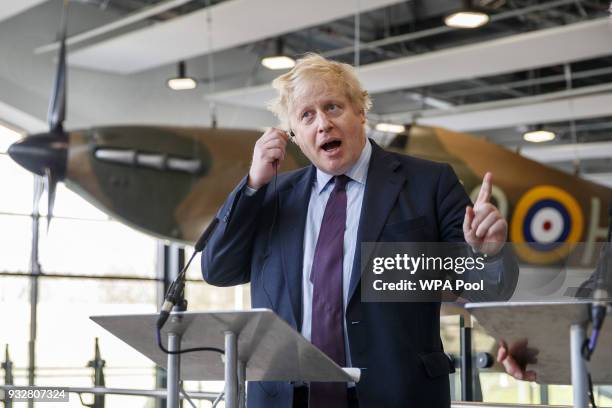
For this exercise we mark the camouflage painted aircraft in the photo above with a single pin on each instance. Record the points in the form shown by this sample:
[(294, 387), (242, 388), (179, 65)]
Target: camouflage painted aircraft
[(169, 181)]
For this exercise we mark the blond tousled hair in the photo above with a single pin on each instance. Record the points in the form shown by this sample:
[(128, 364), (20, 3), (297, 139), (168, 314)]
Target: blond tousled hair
[(315, 67)]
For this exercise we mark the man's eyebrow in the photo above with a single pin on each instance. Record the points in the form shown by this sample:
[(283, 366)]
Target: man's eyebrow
[(336, 100), (301, 108), (298, 109)]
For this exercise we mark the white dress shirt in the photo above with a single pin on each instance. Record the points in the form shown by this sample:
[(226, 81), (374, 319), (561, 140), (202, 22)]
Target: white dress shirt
[(321, 190)]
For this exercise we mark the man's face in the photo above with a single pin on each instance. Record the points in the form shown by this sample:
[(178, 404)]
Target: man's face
[(327, 127)]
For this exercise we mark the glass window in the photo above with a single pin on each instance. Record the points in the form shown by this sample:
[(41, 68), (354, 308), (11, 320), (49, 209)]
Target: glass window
[(202, 296), (195, 269), (16, 185), (69, 204), (237, 297), (96, 248), (15, 317), (7, 137), (15, 243), (66, 334)]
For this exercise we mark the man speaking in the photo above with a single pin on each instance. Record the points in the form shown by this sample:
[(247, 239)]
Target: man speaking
[(297, 241)]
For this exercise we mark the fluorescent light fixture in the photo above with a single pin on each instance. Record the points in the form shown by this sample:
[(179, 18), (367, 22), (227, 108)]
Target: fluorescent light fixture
[(390, 128), (8, 137), (539, 136), (181, 84), (466, 19), (278, 62)]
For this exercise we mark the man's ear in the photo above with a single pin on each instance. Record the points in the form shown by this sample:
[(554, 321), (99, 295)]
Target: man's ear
[(362, 116), (292, 136)]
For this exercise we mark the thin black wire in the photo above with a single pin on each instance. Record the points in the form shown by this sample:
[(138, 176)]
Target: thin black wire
[(190, 350), (591, 394), (271, 231), (276, 205), (586, 354)]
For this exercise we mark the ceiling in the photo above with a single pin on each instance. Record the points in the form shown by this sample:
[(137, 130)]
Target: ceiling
[(537, 63)]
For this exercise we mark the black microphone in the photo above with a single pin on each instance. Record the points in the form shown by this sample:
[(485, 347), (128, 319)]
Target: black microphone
[(201, 244), (177, 288)]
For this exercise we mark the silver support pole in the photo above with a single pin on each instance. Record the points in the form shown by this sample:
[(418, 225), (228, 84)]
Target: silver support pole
[(34, 282), (241, 384), (579, 370), (231, 370), (174, 369)]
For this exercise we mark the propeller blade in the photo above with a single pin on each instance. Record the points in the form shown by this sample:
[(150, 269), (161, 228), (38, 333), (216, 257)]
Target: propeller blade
[(39, 188), (57, 104), (51, 183)]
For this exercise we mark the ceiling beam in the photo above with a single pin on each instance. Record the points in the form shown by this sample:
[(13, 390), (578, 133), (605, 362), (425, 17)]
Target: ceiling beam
[(115, 25), (605, 179), (21, 119), (568, 152), (534, 49), (10, 8), (532, 110), (233, 23)]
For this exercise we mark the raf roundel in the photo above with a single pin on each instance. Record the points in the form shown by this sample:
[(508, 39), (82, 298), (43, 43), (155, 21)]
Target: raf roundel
[(546, 224)]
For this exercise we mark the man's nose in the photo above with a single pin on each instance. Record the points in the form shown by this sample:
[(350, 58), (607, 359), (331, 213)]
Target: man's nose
[(324, 124)]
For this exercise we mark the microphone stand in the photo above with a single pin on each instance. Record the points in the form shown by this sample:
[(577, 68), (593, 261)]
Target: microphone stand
[(601, 296), (175, 296), (598, 311)]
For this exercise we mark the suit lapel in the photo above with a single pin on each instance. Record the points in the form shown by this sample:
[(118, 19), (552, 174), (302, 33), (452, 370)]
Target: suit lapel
[(383, 184), (293, 210)]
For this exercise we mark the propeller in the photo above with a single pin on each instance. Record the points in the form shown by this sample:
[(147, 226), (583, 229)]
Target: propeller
[(45, 154), (57, 104)]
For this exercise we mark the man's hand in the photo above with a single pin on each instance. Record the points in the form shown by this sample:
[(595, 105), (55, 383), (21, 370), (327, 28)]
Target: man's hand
[(268, 152), (484, 228), (516, 358)]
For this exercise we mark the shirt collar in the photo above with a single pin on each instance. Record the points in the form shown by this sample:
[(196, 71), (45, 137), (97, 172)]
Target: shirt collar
[(357, 173)]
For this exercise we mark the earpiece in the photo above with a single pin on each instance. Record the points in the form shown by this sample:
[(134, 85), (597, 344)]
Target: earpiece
[(292, 138)]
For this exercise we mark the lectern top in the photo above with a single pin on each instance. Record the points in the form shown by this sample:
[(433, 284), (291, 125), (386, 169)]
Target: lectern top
[(272, 350), (546, 327)]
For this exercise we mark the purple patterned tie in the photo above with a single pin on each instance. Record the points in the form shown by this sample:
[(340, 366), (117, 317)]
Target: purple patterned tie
[(327, 308)]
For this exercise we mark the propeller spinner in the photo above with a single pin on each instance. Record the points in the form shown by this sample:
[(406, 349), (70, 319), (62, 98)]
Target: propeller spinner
[(45, 154)]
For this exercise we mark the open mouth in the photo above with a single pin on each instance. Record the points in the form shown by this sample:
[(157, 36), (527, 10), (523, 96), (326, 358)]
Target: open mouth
[(331, 145)]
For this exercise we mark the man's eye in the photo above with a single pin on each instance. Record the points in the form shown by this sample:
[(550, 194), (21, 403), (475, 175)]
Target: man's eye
[(332, 107), (306, 115)]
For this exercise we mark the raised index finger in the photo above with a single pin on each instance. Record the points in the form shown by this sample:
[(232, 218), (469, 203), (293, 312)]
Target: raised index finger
[(485, 189)]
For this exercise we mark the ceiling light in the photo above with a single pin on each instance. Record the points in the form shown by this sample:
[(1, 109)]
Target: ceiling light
[(279, 60), (181, 82), (466, 19), (539, 136), (390, 128), (7, 137)]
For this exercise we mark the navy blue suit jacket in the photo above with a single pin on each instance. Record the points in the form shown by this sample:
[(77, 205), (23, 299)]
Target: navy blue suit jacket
[(397, 345)]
